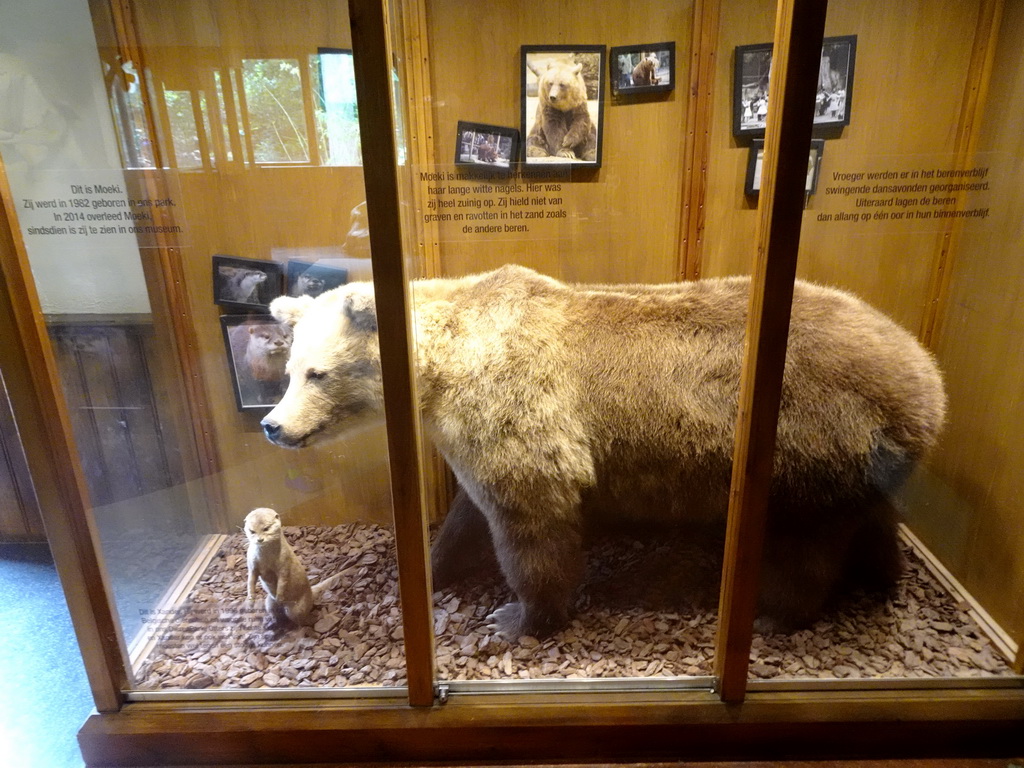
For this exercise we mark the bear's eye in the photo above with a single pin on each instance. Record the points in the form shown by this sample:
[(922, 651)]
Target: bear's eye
[(314, 375)]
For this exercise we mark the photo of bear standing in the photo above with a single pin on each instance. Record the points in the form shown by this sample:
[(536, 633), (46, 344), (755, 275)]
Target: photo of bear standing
[(561, 117)]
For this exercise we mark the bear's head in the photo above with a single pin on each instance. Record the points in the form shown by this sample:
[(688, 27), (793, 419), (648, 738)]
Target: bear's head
[(561, 86), (334, 367)]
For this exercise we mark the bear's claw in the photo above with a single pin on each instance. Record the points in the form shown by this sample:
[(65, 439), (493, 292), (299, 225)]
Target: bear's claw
[(507, 621)]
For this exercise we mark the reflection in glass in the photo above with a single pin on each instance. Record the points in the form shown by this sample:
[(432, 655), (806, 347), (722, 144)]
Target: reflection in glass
[(277, 118), (337, 117), (184, 134)]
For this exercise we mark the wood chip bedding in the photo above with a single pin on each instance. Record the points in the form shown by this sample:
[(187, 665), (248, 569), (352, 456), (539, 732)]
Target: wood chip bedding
[(647, 609)]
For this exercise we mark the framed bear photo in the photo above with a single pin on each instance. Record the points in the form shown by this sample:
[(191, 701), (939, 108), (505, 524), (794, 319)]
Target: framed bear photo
[(249, 284), (490, 147), (562, 104), (646, 68)]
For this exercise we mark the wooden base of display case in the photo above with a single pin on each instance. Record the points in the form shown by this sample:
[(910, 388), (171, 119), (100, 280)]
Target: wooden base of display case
[(694, 725)]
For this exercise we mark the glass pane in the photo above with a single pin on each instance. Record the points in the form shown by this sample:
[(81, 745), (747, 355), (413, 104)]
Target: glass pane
[(536, 377), (884, 552), (155, 285)]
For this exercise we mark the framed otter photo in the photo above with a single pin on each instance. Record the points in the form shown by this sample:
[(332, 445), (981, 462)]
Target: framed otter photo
[(257, 348), (646, 68), (562, 104), (306, 278), (249, 284)]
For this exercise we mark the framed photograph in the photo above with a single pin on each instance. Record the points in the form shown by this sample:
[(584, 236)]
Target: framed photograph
[(257, 348), (489, 146), (643, 68), (245, 283), (562, 104), (834, 100), (306, 278), (753, 185)]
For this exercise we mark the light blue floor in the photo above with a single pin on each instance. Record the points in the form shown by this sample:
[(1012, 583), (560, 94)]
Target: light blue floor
[(44, 696)]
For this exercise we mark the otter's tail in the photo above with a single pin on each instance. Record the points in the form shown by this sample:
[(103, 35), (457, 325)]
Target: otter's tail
[(329, 583)]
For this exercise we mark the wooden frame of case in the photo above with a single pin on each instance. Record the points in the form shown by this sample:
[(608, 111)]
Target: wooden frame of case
[(731, 721)]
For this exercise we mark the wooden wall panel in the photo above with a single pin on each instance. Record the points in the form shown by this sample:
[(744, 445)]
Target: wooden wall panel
[(974, 519), (260, 212), (624, 218), (912, 63)]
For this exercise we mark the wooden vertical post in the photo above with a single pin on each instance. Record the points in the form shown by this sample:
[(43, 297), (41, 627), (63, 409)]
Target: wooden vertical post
[(37, 399), (979, 75), (799, 29), (697, 144), (372, 61)]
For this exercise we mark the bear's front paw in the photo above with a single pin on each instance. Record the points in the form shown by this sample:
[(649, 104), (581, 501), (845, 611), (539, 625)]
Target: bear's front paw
[(567, 153), (535, 151), (508, 622)]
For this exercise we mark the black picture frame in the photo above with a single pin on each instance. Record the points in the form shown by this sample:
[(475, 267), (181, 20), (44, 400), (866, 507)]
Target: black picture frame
[(488, 147), (307, 278), (628, 78), (257, 348), (833, 105), (535, 60), (233, 276), (756, 156)]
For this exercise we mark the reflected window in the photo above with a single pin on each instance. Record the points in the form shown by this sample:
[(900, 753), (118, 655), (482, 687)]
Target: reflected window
[(276, 115), (226, 134), (184, 133), (129, 112), (334, 100)]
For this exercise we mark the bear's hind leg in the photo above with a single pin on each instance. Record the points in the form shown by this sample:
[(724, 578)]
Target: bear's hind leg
[(875, 561), (543, 563), (802, 567), (463, 544)]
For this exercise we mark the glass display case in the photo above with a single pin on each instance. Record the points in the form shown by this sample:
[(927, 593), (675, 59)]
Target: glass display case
[(527, 430)]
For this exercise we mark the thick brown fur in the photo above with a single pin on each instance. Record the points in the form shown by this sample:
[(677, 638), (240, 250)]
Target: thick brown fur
[(562, 126), (556, 405)]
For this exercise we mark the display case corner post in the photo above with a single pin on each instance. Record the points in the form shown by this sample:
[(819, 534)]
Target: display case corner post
[(799, 31), (373, 74), (35, 391)]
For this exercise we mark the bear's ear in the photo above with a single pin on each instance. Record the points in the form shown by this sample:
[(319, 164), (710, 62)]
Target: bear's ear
[(288, 309), (577, 69), (361, 310)]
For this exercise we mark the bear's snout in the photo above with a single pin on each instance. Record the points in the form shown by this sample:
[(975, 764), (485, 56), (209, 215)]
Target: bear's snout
[(271, 429)]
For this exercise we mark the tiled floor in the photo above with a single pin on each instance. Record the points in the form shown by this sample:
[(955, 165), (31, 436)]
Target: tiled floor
[(44, 695)]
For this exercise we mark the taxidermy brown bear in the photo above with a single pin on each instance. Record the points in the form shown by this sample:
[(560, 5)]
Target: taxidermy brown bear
[(558, 404), (562, 127)]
